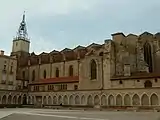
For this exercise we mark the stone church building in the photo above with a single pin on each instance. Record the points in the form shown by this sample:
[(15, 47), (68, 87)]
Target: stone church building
[(123, 71)]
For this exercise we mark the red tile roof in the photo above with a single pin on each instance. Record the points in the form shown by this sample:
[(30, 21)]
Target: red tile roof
[(57, 80)]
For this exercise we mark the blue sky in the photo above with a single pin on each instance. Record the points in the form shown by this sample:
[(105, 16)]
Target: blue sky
[(57, 24)]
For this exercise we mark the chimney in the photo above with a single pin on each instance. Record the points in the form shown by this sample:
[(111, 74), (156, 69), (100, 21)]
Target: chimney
[(1, 52)]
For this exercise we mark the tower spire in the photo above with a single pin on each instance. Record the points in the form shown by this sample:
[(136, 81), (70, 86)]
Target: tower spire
[(21, 43), (23, 17), (22, 31)]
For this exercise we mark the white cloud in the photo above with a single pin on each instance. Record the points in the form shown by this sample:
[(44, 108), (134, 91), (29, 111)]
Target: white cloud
[(116, 13), (41, 45), (13, 9), (11, 14)]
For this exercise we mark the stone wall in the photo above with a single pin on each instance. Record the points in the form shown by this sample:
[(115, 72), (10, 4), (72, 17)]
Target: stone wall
[(119, 97)]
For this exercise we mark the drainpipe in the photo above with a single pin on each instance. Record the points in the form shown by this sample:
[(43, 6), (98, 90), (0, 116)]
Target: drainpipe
[(51, 70), (64, 68), (78, 66), (39, 62), (102, 83)]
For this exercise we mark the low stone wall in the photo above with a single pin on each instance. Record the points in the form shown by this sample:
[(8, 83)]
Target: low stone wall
[(11, 106), (103, 108)]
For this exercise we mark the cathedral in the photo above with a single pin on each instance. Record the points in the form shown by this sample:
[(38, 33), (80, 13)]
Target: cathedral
[(122, 72)]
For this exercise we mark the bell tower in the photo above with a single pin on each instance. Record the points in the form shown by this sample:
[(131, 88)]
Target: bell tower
[(21, 43)]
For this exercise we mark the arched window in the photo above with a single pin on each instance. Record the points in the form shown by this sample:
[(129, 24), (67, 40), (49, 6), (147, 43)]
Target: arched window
[(57, 72), (70, 70), (148, 56), (33, 75), (148, 84), (44, 74), (93, 69), (101, 54)]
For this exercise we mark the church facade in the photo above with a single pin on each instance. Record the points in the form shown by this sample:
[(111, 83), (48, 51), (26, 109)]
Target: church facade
[(124, 71)]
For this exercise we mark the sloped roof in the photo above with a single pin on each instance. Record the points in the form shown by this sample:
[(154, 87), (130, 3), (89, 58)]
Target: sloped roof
[(92, 45), (54, 51), (79, 47), (146, 33), (66, 49), (57, 80), (43, 53), (32, 54), (157, 34)]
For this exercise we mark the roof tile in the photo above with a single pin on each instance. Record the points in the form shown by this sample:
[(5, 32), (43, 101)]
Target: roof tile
[(57, 80)]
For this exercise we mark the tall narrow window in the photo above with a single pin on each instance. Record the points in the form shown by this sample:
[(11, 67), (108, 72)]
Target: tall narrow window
[(75, 87), (4, 67), (11, 70), (70, 70), (93, 69), (44, 74), (33, 75), (23, 74), (38, 60), (148, 56), (57, 72)]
